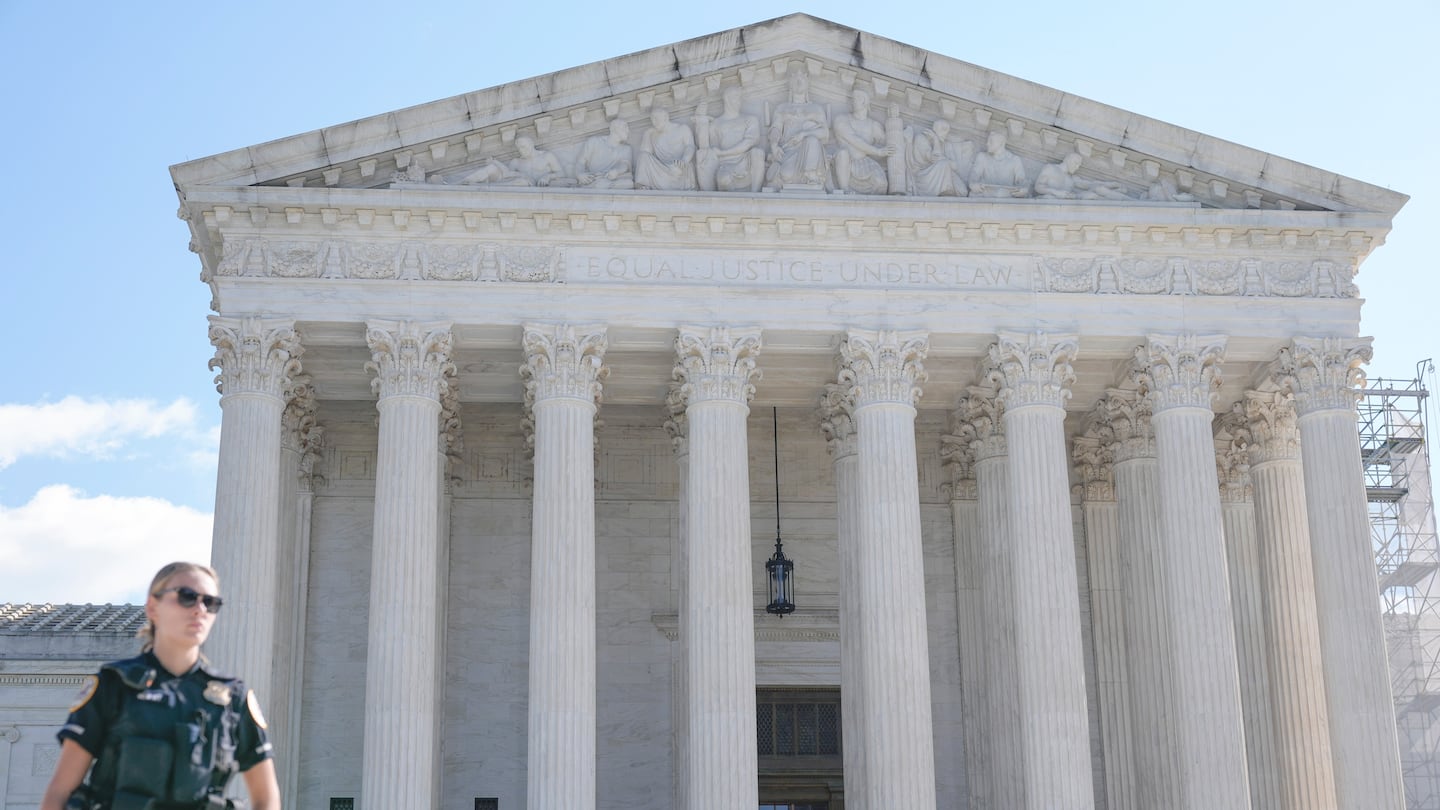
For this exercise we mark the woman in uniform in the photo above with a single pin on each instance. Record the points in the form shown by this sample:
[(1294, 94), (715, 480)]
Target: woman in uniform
[(165, 729)]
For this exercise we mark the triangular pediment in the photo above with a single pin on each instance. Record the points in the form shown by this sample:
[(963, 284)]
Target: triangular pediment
[(484, 139)]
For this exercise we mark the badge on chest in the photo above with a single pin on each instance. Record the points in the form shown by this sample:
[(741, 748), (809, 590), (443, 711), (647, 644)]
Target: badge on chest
[(218, 692)]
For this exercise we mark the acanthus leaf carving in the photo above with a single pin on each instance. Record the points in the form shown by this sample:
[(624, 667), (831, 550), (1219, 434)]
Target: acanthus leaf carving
[(1094, 462), (254, 354), (1180, 371), (300, 433), (1274, 432), (1232, 455), (409, 358), (1323, 373), (1034, 368), (563, 361), (451, 437), (717, 363), (837, 420), (1125, 415), (884, 366)]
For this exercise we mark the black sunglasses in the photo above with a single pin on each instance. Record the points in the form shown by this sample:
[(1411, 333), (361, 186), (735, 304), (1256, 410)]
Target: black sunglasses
[(187, 597)]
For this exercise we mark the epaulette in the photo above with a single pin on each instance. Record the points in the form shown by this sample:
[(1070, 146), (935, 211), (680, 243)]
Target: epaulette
[(216, 674), (135, 673)]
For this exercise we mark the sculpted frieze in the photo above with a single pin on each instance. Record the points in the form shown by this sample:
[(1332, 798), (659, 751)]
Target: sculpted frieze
[(803, 126)]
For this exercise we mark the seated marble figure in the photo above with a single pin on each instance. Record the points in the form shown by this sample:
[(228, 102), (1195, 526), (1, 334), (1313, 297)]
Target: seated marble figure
[(799, 131), (859, 146), (665, 159), (938, 165), (1057, 181), (605, 161), (998, 172), (731, 157), (533, 167)]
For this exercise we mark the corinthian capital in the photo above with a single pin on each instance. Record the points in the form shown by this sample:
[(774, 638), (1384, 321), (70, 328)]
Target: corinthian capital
[(1126, 417), (563, 361), (1033, 368), (884, 366), (1094, 462), (979, 422), (255, 355), (409, 358), (1324, 374), (717, 363), (1274, 434), (837, 420), (1180, 371), (1232, 454)]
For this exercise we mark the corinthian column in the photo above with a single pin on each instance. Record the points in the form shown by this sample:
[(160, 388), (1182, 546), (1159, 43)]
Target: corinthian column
[(1125, 416), (562, 371), (1323, 375), (883, 371), (1094, 461), (411, 363), (1180, 376), (1297, 679), (257, 359), (716, 368), (838, 424), (678, 431), (301, 441), (1242, 553), (980, 427), (959, 461), (1035, 376)]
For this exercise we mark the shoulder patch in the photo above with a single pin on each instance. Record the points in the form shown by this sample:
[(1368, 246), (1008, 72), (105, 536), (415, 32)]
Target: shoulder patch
[(253, 704), (92, 683)]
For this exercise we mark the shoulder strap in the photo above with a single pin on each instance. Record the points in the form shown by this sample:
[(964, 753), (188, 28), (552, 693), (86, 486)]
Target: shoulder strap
[(135, 673)]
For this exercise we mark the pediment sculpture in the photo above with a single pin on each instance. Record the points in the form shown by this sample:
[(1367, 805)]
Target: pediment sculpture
[(801, 143)]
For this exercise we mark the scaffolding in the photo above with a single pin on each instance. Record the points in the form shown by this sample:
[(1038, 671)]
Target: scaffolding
[(1396, 457)]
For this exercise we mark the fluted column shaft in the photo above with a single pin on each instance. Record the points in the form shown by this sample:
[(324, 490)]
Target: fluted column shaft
[(959, 461), (257, 359), (563, 371), (1323, 375), (1242, 554), (411, 362), (1297, 678), (838, 424), (717, 366), (885, 370), (1105, 549), (1180, 375), (1147, 627), (1050, 662), (980, 426)]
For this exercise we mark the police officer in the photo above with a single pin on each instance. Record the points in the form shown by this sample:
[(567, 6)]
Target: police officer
[(165, 730)]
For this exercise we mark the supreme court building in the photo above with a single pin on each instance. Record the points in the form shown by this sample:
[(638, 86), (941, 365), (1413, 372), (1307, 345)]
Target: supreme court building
[(1063, 422)]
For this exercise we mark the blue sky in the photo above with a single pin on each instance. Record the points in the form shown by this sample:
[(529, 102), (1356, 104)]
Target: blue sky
[(108, 416)]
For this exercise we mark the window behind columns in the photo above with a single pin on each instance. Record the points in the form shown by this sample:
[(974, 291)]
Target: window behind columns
[(799, 747)]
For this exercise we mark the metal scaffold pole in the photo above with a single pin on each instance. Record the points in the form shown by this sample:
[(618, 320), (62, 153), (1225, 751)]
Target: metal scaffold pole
[(1395, 451)]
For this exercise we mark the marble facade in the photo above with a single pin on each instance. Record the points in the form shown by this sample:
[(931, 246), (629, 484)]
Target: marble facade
[(488, 368)]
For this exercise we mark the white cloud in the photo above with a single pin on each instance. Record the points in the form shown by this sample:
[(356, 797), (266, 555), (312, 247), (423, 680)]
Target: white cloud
[(90, 427), (64, 546)]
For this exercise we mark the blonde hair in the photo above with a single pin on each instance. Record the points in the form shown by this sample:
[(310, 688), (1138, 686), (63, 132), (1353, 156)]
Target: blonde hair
[(146, 634)]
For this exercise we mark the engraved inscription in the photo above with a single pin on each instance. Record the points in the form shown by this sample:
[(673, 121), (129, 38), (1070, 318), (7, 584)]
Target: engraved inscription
[(986, 272)]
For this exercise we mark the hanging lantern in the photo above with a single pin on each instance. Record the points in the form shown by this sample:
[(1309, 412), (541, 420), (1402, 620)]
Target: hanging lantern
[(782, 582), (779, 570)]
